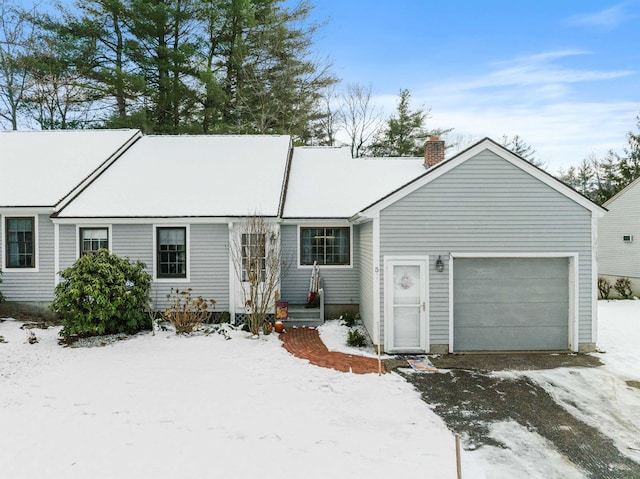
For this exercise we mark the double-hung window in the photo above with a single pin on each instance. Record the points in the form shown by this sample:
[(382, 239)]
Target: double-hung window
[(326, 246), (253, 256), (20, 242), (171, 254), (93, 239)]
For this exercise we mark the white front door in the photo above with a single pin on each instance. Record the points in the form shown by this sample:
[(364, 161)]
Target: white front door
[(406, 304)]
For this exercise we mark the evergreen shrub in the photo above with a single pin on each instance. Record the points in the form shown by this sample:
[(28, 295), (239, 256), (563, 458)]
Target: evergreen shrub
[(348, 319), (103, 294), (356, 339)]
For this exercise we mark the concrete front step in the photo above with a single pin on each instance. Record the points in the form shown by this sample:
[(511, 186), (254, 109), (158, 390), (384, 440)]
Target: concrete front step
[(300, 316)]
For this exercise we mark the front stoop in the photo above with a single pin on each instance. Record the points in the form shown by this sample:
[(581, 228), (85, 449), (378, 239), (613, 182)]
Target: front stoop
[(299, 316)]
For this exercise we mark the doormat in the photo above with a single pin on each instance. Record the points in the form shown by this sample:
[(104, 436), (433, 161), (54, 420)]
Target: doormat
[(422, 364)]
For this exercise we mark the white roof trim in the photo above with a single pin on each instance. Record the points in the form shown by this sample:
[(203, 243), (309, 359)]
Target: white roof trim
[(621, 192), (505, 154), (140, 220)]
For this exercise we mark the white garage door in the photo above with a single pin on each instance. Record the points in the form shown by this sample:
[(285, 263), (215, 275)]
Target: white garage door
[(510, 304)]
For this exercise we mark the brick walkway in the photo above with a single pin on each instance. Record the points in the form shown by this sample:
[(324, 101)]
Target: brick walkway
[(305, 343)]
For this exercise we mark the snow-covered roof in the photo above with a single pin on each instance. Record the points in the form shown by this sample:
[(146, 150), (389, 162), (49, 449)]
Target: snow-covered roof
[(325, 182), (38, 168), (178, 176)]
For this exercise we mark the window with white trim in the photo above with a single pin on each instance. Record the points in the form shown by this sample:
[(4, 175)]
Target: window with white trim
[(171, 252), (20, 242), (253, 255), (325, 245), (93, 239)]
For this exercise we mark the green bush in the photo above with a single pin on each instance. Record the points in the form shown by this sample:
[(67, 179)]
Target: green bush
[(356, 339), (103, 294), (348, 319)]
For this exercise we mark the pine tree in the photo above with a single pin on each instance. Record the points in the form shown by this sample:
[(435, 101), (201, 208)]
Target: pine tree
[(404, 133), (176, 66), (518, 146)]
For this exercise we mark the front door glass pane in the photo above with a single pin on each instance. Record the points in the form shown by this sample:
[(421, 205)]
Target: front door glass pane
[(406, 306)]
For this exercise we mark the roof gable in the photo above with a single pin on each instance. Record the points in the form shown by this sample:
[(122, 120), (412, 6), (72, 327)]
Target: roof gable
[(486, 144), (622, 192), (39, 168), (188, 176)]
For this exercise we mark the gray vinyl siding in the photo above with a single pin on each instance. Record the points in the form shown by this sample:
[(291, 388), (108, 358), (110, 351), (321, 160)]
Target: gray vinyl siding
[(29, 285), (68, 245), (134, 242), (365, 250), (341, 285), (486, 204), (208, 265), (615, 257)]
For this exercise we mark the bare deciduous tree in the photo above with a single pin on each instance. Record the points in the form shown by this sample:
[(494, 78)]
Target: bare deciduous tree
[(359, 117), (260, 265)]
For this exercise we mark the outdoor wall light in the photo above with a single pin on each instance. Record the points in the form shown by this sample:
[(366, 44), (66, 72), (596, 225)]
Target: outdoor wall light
[(439, 265)]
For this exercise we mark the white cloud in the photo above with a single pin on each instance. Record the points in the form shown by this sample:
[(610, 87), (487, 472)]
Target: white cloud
[(539, 99), (535, 97), (528, 71), (562, 134), (607, 19)]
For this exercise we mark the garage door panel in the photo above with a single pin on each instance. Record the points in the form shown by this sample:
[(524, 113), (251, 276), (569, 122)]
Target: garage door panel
[(512, 339), (510, 304), (511, 290), (508, 267), (518, 315)]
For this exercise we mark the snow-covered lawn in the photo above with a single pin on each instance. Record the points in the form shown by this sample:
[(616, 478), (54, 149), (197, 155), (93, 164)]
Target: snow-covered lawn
[(189, 407), (192, 407)]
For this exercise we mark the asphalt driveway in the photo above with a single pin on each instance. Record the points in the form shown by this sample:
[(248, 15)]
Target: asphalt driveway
[(469, 399)]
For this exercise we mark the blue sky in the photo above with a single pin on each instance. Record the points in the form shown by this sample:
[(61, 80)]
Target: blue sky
[(564, 75)]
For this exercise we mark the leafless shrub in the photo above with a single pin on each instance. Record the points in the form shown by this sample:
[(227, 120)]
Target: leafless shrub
[(604, 287), (186, 313), (260, 266), (623, 287)]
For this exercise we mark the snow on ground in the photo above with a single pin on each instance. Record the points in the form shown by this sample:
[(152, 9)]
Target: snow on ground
[(188, 407), (601, 397), (334, 336), (527, 454)]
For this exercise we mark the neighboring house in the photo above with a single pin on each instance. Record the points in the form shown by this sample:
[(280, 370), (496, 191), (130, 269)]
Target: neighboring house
[(480, 252), (619, 237), (39, 170)]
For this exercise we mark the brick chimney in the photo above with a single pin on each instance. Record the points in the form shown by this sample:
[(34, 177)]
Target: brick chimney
[(433, 151)]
